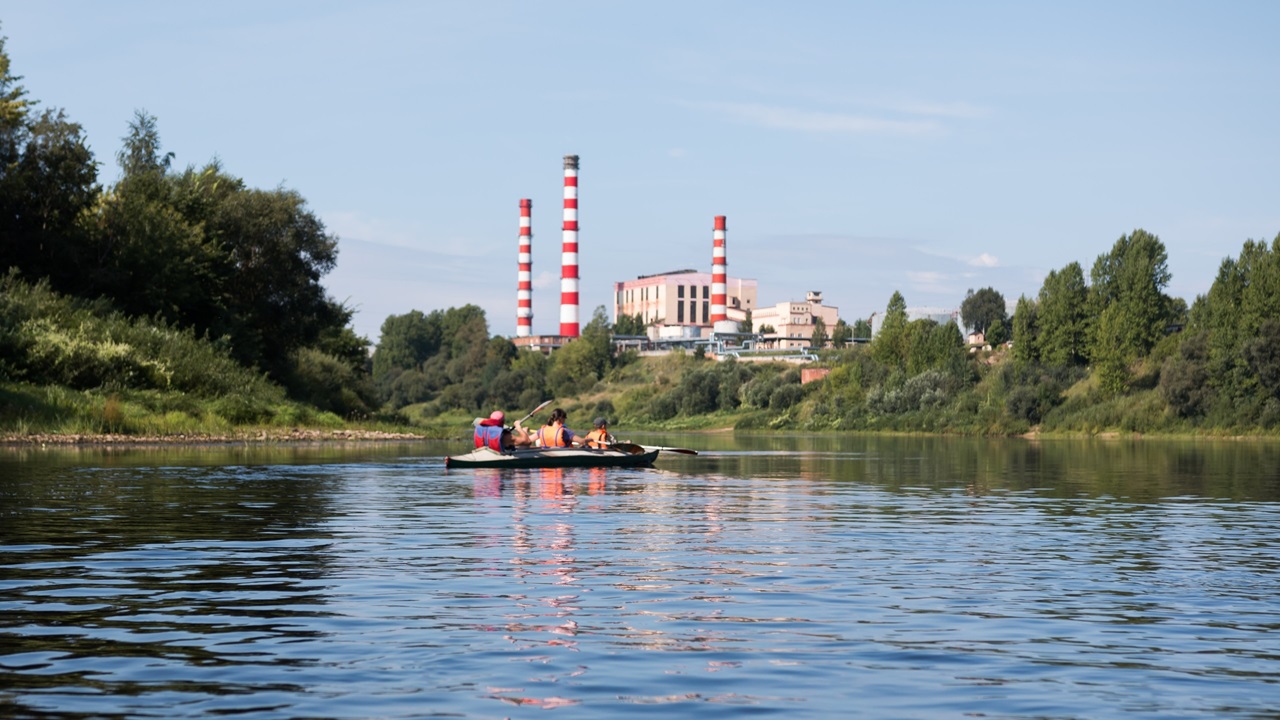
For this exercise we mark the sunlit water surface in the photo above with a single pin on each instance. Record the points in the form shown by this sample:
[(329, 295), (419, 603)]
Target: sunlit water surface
[(798, 577)]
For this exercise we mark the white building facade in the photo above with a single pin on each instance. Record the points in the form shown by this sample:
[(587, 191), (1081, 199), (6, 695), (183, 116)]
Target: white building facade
[(680, 299), (793, 322)]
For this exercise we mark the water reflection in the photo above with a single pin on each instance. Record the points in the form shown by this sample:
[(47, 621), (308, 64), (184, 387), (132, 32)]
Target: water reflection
[(911, 577)]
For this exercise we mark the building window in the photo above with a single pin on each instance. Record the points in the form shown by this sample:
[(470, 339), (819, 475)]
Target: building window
[(693, 312), (680, 291), (706, 293), (679, 313), (706, 315)]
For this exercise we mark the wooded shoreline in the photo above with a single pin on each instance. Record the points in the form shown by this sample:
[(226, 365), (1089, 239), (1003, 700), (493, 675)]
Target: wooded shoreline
[(258, 436)]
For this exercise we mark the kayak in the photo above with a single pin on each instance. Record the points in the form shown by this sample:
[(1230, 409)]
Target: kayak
[(624, 456)]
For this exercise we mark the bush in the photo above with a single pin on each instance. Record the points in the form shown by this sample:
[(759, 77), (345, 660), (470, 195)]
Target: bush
[(241, 410), (329, 384), (785, 396)]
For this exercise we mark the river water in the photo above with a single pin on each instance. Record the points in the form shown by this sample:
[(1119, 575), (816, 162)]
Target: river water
[(793, 577)]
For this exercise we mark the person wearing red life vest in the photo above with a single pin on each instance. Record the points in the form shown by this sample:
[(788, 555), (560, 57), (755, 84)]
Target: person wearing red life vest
[(493, 433)]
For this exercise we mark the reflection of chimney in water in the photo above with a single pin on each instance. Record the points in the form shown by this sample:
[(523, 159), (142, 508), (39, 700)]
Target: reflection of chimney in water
[(569, 251), (524, 295), (719, 283)]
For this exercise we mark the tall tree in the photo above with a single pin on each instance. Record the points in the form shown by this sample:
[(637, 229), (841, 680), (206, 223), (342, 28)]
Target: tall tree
[(146, 255), (275, 252), (49, 183), (1063, 317), (888, 347), (932, 346), (580, 363), (982, 308), (1129, 282), (818, 339), (47, 180), (1235, 313), (841, 334), (1026, 341), (629, 325)]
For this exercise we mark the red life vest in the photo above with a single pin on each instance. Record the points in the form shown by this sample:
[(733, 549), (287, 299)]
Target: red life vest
[(489, 436)]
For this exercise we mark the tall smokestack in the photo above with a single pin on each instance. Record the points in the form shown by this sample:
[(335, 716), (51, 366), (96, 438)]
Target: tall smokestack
[(524, 295), (719, 282), (569, 251)]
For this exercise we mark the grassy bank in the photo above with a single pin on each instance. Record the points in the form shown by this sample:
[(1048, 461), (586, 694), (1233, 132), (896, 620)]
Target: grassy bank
[(31, 413)]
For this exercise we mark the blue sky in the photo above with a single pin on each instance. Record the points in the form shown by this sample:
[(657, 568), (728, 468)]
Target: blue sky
[(856, 148)]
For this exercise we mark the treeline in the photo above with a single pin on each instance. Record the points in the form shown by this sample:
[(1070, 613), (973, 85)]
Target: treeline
[(1114, 352), (446, 360), (195, 250)]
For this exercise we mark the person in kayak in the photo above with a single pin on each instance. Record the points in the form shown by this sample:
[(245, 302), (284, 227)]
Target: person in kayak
[(600, 437), (493, 433), (555, 434)]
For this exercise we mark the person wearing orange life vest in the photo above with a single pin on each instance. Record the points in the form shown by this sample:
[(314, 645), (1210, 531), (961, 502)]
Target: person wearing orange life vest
[(600, 437), (493, 433), (554, 433)]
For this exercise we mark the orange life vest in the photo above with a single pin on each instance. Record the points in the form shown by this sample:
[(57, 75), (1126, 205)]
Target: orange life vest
[(597, 438), (556, 438)]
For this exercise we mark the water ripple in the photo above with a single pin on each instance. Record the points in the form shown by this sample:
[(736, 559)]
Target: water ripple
[(783, 582)]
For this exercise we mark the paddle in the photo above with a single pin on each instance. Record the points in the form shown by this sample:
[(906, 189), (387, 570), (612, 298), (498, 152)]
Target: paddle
[(533, 412), (681, 451), (536, 410), (651, 448)]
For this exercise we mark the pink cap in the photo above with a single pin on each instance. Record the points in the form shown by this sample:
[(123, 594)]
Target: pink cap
[(497, 416)]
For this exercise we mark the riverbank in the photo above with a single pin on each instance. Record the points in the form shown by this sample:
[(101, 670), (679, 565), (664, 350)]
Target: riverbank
[(291, 435)]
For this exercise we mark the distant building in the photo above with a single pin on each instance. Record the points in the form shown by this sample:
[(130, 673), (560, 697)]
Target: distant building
[(681, 299), (793, 322), (939, 315)]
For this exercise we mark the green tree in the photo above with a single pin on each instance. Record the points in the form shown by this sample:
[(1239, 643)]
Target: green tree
[(997, 333), (580, 363), (278, 252), (150, 258), (889, 346), (1244, 298), (862, 329), (841, 334), (405, 341), (47, 180), (47, 186), (818, 339), (1184, 377), (932, 346), (1111, 353), (983, 308), (1128, 284), (630, 325), (1026, 341), (1063, 317)]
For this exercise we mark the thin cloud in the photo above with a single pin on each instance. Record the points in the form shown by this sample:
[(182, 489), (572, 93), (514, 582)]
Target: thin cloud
[(824, 122), (928, 281), (985, 260), (946, 110), (350, 226)]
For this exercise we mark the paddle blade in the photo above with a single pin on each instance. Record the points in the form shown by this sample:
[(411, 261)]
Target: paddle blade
[(537, 410)]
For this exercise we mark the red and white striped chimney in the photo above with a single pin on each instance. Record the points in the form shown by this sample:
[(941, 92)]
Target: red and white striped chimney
[(719, 280), (569, 251), (524, 295)]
